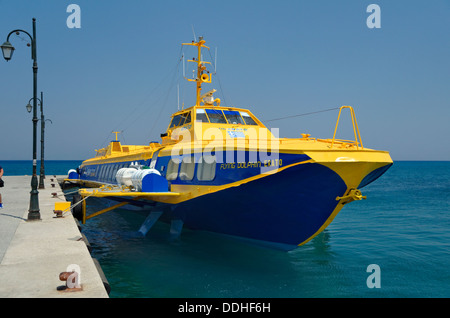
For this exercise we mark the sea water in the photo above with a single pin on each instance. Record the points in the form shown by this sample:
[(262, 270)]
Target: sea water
[(402, 230), (25, 167)]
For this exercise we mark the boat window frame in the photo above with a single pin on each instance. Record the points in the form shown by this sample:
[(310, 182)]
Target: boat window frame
[(154, 159), (182, 121), (111, 177), (201, 111), (108, 169), (203, 164), (173, 175), (216, 111), (188, 166), (172, 125), (104, 172), (188, 117), (111, 173), (100, 174), (113, 168), (238, 114), (248, 115)]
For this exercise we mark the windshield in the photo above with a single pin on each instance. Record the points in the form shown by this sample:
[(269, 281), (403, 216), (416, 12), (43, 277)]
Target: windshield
[(217, 116), (248, 119), (233, 117), (181, 119)]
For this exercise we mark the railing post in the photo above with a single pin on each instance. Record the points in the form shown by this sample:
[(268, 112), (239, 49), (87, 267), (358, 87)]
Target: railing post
[(337, 123), (355, 127)]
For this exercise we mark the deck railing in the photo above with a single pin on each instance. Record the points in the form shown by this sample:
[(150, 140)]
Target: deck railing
[(355, 127)]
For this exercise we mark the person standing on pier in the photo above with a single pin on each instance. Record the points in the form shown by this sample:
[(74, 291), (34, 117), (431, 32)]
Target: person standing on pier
[(1, 185)]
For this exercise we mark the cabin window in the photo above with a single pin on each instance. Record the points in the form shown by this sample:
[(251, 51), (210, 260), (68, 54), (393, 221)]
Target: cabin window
[(184, 119), (100, 174), (154, 159), (180, 120), (187, 168), (206, 170), (110, 171), (176, 121), (248, 119), (116, 168), (201, 116), (233, 117), (188, 118), (172, 169), (108, 168), (216, 116), (115, 171), (104, 171)]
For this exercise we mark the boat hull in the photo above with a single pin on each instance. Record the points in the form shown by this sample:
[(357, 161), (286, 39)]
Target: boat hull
[(285, 209)]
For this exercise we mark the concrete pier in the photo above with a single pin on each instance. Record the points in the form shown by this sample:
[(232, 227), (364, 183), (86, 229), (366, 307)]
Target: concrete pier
[(34, 253)]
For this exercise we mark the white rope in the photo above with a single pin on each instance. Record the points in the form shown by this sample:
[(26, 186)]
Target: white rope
[(74, 205)]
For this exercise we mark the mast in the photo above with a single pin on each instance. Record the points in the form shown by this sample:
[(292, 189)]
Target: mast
[(116, 132), (201, 68)]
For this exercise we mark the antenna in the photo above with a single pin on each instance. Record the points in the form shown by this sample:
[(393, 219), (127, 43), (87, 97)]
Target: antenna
[(116, 132), (178, 96), (195, 38), (184, 68), (215, 61), (201, 77)]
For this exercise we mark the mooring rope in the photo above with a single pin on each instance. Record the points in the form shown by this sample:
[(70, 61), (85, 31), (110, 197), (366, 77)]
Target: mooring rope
[(74, 205)]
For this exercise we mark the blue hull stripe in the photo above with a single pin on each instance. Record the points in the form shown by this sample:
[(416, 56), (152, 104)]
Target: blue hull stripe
[(225, 174)]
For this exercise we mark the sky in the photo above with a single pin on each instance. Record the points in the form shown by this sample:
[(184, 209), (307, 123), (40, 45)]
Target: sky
[(120, 70)]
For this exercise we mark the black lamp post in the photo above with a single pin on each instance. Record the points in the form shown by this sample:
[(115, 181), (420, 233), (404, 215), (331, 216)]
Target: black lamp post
[(29, 108), (42, 174), (8, 50)]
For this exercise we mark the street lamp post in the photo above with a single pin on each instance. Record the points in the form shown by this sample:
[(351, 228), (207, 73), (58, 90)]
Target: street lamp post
[(42, 174), (29, 108), (8, 50)]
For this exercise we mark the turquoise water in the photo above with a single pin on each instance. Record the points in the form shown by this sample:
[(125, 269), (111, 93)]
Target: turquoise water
[(25, 167), (403, 227)]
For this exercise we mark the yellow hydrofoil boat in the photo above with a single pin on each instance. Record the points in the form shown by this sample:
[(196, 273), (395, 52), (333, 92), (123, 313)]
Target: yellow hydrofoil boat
[(219, 169)]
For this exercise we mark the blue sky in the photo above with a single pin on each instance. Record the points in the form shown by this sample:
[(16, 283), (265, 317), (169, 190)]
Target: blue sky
[(120, 70)]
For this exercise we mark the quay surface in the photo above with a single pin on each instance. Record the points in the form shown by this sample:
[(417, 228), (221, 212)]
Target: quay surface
[(34, 253)]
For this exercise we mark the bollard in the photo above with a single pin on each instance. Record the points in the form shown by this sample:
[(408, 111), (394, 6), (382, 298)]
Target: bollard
[(71, 279), (60, 207), (54, 194)]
